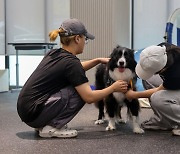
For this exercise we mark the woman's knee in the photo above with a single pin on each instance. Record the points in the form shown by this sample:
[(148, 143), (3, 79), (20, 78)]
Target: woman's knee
[(156, 99)]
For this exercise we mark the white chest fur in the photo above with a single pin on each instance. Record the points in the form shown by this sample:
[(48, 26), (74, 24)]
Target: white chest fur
[(127, 75), (119, 97)]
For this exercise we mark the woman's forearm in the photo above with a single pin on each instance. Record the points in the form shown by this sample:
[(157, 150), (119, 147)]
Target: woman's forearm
[(149, 92), (90, 64), (146, 93), (140, 94)]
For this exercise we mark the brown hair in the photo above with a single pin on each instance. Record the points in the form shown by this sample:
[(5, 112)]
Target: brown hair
[(64, 39)]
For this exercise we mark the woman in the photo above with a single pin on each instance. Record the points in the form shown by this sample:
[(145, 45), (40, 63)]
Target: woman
[(164, 60), (58, 88)]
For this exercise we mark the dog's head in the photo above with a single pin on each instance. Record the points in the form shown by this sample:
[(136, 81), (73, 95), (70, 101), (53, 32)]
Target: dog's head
[(122, 63)]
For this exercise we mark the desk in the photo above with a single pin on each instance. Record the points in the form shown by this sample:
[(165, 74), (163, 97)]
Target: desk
[(28, 46)]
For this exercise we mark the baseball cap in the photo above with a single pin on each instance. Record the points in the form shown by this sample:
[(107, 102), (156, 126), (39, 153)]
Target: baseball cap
[(152, 60), (75, 27)]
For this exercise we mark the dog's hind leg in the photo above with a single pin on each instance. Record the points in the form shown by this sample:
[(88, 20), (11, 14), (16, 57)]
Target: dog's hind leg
[(100, 120), (100, 84), (133, 110), (119, 117)]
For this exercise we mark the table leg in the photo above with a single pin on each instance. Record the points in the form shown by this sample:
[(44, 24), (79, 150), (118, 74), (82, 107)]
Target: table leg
[(17, 70)]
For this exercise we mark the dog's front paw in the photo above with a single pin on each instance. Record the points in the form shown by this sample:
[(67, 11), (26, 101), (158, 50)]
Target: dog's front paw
[(98, 122), (110, 128), (136, 127), (138, 130)]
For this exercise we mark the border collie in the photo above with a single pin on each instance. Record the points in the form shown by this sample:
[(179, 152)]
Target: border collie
[(121, 66)]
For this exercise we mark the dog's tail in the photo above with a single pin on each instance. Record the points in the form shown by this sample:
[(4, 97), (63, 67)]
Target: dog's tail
[(100, 84), (99, 77)]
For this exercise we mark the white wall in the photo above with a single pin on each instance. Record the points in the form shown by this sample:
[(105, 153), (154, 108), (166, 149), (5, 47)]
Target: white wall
[(150, 18), (173, 4)]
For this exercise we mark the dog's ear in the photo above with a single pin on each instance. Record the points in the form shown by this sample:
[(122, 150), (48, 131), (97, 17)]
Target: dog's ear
[(132, 50), (118, 46), (114, 52)]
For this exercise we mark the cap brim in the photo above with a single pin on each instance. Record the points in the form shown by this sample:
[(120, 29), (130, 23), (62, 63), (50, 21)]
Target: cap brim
[(143, 74), (90, 36)]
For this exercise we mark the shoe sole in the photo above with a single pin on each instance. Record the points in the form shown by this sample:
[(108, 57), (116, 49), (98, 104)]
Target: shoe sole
[(47, 135), (153, 128), (176, 132)]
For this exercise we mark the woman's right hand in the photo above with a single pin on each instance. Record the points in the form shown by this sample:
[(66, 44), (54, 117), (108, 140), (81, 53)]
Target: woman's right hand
[(120, 86), (130, 94)]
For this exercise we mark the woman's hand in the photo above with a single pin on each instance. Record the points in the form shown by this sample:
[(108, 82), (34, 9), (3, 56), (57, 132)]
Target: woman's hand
[(120, 86), (130, 94), (103, 60)]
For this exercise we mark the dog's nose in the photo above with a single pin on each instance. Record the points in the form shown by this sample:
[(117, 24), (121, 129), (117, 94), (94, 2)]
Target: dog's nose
[(121, 63)]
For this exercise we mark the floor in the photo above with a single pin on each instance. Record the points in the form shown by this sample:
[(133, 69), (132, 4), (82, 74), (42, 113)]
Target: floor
[(17, 138)]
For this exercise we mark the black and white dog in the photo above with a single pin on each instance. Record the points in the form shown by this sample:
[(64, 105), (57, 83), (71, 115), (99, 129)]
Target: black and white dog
[(121, 66)]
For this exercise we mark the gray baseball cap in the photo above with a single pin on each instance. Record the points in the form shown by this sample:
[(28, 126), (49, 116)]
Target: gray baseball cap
[(74, 27)]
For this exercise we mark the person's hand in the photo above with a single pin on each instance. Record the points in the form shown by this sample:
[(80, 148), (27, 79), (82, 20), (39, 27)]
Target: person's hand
[(130, 94), (120, 86), (103, 60)]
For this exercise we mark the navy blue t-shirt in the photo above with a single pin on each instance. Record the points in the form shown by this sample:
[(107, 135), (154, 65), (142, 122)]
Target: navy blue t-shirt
[(58, 69)]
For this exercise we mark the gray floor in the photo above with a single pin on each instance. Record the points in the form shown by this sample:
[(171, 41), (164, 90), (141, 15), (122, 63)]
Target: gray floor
[(17, 138)]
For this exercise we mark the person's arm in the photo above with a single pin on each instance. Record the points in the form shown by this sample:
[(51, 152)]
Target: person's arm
[(142, 94), (91, 63), (92, 96)]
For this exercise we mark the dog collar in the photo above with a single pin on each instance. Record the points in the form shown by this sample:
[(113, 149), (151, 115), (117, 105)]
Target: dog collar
[(131, 84), (110, 81)]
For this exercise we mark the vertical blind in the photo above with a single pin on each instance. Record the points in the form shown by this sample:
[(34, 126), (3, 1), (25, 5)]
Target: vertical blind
[(97, 17), (2, 28), (101, 18)]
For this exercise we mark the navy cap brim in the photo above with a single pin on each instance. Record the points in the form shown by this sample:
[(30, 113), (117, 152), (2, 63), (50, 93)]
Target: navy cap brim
[(90, 36)]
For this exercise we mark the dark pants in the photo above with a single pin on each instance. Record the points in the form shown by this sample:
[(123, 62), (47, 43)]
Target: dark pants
[(59, 109)]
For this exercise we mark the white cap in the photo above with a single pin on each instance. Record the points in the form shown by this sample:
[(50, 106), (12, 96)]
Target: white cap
[(152, 60)]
